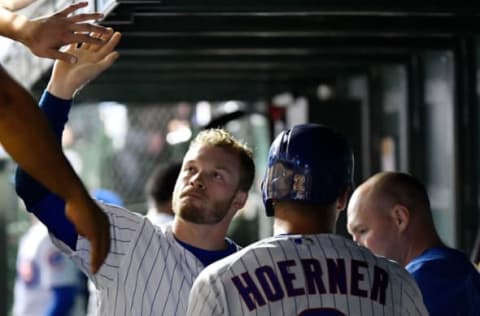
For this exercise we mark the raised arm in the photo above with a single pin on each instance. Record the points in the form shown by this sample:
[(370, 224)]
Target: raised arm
[(45, 36), (81, 210)]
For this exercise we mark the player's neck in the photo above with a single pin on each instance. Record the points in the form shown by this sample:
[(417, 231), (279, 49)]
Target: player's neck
[(419, 242), (208, 237), (282, 226), (295, 221)]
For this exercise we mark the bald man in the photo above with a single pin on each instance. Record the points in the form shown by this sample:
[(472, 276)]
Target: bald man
[(390, 214)]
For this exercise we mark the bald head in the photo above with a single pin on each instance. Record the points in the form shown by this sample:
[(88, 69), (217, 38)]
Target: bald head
[(402, 188), (390, 214)]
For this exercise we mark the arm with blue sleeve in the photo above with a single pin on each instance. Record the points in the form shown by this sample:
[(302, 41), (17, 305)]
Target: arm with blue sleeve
[(48, 207)]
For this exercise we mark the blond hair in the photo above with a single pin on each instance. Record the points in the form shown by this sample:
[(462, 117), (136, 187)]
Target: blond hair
[(220, 138)]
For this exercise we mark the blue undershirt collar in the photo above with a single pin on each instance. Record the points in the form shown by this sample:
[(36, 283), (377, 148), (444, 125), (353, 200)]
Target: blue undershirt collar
[(209, 256)]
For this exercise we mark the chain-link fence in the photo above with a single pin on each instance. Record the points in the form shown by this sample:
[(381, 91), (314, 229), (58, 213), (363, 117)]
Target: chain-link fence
[(117, 146)]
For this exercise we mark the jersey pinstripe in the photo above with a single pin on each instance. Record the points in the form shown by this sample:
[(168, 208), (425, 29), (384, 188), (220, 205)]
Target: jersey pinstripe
[(321, 275), (147, 272)]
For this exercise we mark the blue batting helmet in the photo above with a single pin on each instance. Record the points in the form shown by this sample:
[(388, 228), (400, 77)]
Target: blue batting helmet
[(308, 163)]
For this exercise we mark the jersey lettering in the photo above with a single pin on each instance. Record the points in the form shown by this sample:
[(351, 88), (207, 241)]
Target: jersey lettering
[(289, 277), (249, 291), (267, 285), (313, 276), (270, 284), (379, 287), (337, 276), (358, 274)]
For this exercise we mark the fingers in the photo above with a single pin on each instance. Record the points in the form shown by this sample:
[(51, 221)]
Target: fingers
[(111, 44), (96, 40), (104, 54), (85, 17), (85, 38), (63, 56), (71, 8), (109, 60), (75, 20), (103, 38), (88, 28)]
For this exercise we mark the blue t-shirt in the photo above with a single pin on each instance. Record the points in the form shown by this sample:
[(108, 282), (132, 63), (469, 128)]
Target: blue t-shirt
[(449, 282)]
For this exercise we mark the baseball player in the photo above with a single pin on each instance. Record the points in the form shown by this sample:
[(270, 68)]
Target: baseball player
[(150, 269), (305, 269), (48, 283)]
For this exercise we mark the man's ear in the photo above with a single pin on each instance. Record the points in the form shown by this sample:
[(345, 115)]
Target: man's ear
[(401, 216), (239, 200)]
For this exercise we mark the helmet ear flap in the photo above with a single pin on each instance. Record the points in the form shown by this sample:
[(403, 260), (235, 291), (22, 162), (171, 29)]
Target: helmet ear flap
[(277, 150)]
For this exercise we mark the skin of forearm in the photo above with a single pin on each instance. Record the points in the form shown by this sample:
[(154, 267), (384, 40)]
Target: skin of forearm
[(27, 137)]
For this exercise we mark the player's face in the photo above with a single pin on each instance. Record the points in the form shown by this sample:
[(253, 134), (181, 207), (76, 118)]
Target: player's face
[(372, 225), (207, 185)]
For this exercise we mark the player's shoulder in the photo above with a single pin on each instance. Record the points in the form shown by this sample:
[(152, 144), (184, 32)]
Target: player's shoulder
[(136, 223), (356, 251), (119, 214), (442, 263), (439, 258), (390, 265)]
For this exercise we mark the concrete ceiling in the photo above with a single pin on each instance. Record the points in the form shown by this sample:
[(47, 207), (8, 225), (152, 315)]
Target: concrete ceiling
[(216, 50)]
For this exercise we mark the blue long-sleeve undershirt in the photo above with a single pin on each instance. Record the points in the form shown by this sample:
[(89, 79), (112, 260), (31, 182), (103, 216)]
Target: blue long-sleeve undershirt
[(48, 207)]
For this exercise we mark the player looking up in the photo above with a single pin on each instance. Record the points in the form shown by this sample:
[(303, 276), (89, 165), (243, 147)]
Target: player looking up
[(150, 269), (305, 269)]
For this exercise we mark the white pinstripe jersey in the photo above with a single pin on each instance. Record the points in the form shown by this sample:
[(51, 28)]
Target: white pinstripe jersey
[(147, 272), (310, 275)]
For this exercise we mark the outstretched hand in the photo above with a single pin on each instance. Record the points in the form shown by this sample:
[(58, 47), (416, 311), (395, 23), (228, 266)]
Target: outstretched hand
[(92, 60), (92, 223), (45, 36), (86, 216)]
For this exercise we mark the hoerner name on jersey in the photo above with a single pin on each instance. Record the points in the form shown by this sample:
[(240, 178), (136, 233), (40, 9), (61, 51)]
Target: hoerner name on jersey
[(333, 277)]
